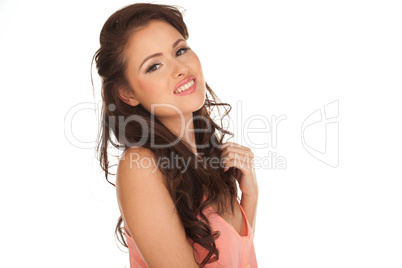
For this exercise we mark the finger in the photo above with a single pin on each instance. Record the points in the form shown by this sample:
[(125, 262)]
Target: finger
[(230, 144), (241, 164), (234, 145), (238, 151), (230, 156)]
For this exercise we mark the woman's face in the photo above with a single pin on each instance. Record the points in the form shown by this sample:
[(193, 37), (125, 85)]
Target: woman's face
[(154, 78)]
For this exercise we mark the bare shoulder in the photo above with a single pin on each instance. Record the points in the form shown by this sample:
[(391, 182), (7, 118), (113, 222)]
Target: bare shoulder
[(139, 161), (149, 213)]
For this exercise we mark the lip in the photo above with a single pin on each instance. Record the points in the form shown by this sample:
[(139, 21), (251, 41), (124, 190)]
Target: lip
[(184, 81), (188, 91)]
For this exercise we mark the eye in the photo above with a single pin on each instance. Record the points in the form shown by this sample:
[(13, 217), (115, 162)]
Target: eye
[(152, 68), (178, 53), (184, 49)]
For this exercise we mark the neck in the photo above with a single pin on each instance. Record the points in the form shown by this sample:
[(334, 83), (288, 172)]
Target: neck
[(184, 129)]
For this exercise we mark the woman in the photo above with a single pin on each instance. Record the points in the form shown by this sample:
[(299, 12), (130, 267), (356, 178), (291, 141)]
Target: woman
[(176, 180)]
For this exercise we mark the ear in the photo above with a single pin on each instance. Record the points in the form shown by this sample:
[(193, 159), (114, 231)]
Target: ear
[(127, 96)]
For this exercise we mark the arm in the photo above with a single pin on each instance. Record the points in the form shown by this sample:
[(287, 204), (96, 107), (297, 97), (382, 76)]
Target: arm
[(149, 213), (240, 157), (249, 205)]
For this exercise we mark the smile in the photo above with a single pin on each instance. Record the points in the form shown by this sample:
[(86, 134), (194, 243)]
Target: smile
[(185, 87)]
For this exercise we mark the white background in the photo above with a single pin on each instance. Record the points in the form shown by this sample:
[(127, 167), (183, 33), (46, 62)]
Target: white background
[(276, 58)]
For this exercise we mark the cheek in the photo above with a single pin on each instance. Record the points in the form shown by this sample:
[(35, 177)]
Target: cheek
[(149, 86), (197, 65), (196, 60)]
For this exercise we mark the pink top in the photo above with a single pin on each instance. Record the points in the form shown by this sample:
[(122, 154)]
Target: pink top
[(235, 251)]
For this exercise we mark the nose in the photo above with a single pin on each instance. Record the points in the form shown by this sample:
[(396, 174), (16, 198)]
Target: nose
[(180, 69)]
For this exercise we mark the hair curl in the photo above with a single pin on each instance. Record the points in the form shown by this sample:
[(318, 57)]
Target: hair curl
[(186, 188)]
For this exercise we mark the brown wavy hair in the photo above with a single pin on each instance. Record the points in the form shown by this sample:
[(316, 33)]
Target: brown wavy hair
[(186, 187)]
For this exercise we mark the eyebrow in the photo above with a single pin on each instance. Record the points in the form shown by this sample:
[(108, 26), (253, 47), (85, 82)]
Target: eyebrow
[(160, 54)]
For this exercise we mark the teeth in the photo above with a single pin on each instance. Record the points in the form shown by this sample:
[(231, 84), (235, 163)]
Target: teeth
[(184, 87)]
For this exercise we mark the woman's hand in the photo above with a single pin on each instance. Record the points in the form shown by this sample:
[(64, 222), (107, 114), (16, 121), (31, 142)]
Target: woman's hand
[(235, 155)]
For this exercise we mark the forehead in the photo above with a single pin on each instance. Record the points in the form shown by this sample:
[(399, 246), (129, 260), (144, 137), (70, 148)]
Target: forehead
[(157, 36)]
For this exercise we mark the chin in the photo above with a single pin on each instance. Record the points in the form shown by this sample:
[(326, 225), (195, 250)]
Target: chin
[(199, 102)]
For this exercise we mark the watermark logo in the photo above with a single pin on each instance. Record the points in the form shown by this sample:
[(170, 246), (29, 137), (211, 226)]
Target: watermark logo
[(320, 134), (268, 128)]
